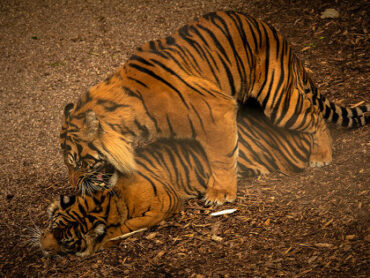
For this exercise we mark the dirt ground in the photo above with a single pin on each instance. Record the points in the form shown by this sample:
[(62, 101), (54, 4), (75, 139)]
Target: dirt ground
[(313, 224)]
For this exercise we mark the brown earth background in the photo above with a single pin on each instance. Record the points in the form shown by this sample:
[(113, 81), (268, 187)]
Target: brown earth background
[(313, 224)]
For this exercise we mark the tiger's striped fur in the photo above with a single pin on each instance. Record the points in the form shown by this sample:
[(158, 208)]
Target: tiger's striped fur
[(265, 148), (187, 86), (168, 172)]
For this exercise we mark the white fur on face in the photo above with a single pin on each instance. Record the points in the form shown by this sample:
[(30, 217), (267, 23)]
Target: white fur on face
[(113, 180)]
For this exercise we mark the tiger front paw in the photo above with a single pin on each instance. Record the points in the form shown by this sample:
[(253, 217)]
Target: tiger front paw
[(218, 197)]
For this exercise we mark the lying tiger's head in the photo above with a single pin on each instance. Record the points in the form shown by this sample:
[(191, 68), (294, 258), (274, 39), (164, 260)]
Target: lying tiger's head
[(77, 225), (92, 151)]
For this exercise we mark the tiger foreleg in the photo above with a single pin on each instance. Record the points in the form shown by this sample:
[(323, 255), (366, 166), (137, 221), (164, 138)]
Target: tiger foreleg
[(212, 122), (222, 151), (222, 186), (149, 219)]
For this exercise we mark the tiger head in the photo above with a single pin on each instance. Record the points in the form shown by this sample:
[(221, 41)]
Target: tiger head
[(78, 225), (92, 151)]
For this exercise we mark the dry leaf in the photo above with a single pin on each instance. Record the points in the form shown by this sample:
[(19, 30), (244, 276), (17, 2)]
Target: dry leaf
[(328, 223), (330, 13), (216, 238), (357, 104), (323, 245), (151, 235), (350, 237), (160, 254), (288, 250), (189, 235)]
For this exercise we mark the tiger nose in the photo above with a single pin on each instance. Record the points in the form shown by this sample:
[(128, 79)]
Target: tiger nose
[(49, 244)]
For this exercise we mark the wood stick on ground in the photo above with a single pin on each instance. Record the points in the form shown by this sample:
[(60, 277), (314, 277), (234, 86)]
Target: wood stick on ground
[(128, 234)]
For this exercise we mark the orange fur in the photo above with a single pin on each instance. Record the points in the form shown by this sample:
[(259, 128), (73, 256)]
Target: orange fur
[(168, 173), (189, 85)]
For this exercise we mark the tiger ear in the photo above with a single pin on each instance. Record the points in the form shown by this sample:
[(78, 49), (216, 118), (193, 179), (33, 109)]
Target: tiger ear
[(98, 232), (92, 124), (100, 229), (66, 201), (68, 108)]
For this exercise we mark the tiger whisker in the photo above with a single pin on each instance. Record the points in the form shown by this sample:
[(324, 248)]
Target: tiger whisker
[(88, 180), (33, 237)]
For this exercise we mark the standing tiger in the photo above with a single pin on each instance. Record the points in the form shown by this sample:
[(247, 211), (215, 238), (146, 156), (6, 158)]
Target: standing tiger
[(168, 172), (189, 85)]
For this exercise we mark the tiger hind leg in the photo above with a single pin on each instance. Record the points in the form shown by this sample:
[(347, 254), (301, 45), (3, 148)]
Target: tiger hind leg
[(321, 151), (296, 111)]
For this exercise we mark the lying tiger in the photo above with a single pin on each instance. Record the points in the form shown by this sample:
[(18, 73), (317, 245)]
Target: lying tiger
[(189, 85), (169, 172)]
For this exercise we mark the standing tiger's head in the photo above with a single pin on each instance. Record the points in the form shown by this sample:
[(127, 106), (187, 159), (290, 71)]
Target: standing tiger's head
[(78, 225), (92, 151)]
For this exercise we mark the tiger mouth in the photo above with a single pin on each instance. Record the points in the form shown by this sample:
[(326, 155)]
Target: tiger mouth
[(101, 179), (100, 176)]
